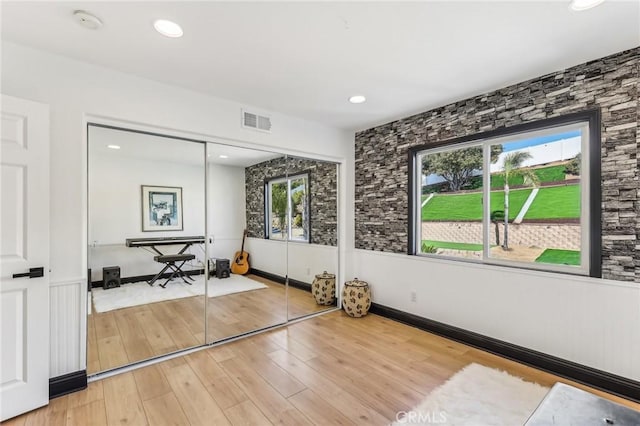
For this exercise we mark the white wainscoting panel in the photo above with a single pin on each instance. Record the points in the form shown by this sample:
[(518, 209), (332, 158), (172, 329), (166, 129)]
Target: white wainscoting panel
[(68, 300), (593, 322)]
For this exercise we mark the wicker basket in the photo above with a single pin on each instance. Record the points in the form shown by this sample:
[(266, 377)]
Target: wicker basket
[(356, 298), (323, 288)]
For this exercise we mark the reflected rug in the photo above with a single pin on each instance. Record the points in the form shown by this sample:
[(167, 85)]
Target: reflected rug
[(477, 396), (141, 293)]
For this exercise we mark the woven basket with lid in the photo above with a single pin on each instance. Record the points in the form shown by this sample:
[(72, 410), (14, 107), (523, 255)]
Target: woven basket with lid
[(323, 288), (356, 298)]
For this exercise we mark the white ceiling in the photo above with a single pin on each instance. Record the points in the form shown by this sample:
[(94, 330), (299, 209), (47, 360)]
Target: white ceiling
[(160, 149), (307, 58)]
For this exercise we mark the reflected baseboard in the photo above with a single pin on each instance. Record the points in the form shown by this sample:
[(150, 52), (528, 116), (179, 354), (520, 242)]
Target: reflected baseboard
[(139, 278), (280, 279)]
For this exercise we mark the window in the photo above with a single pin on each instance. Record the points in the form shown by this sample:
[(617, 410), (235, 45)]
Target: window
[(527, 196), (288, 208)]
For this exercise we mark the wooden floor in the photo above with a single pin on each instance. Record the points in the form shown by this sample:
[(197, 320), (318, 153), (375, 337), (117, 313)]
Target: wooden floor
[(123, 336), (328, 370)]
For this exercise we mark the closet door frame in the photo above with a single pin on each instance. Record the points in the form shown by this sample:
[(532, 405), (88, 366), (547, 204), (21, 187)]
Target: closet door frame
[(155, 130)]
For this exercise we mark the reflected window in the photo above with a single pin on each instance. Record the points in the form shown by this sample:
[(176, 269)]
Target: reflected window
[(288, 208)]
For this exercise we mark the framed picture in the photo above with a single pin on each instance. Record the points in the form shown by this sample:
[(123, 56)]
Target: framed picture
[(161, 208)]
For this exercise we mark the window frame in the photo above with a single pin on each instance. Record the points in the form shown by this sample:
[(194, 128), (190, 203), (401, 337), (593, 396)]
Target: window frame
[(590, 189), (268, 183)]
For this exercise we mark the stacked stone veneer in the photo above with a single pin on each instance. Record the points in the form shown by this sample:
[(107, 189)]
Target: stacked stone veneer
[(323, 187), (610, 84)]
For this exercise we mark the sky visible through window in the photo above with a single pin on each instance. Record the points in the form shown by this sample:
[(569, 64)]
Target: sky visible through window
[(525, 143)]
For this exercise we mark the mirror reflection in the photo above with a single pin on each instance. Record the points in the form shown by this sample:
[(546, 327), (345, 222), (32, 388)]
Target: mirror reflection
[(292, 215), (146, 227), (241, 298), (312, 255), (162, 281)]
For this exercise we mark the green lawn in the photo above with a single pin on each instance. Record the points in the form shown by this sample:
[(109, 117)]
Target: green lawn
[(560, 257), (546, 174), (469, 206), (517, 199), (557, 202), (450, 245)]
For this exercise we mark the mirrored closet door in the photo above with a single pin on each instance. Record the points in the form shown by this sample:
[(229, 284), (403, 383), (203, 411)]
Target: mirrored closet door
[(246, 286), (146, 228), (192, 243), (312, 252)]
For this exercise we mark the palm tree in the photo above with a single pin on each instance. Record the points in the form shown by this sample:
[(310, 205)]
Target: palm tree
[(495, 218), (512, 167)]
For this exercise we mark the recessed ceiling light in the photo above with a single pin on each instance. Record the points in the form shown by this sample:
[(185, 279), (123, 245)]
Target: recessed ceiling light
[(224, 156), (113, 146), (357, 99), (168, 28), (580, 5)]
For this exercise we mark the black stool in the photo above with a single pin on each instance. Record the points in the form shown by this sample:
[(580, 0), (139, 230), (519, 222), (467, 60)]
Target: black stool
[(175, 262)]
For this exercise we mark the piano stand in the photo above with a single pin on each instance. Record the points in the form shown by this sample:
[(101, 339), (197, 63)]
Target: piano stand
[(175, 262)]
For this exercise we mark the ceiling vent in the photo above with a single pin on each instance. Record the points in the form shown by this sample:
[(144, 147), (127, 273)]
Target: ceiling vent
[(254, 121)]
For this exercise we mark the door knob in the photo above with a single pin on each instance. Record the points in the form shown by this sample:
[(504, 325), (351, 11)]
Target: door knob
[(33, 273)]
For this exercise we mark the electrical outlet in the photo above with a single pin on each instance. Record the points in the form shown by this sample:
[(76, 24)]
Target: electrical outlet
[(414, 296)]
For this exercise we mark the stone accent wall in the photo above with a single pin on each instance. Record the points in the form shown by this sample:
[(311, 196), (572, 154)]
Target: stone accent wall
[(610, 84), (323, 188)]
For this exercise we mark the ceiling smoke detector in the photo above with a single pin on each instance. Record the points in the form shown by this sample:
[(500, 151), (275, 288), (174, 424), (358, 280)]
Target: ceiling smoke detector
[(87, 20)]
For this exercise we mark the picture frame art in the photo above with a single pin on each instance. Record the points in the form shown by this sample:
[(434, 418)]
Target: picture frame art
[(161, 208)]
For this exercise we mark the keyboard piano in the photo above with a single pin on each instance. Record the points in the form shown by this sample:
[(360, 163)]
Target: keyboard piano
[(163, 241), (171, 261)]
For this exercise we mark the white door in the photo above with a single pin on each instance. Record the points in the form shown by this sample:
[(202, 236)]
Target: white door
[(24, 230)]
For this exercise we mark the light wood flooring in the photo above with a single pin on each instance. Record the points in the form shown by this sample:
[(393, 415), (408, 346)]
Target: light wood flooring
[(327, 370), (127, 335)]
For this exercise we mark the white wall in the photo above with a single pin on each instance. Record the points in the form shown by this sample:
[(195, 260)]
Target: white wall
[(75, 91), (226, 211), (589, 321), (115, 203), (299, 261), (305, 261), (115, 208), (267, 255)]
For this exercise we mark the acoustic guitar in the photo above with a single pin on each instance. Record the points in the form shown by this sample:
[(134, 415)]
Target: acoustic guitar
[(240, 264)]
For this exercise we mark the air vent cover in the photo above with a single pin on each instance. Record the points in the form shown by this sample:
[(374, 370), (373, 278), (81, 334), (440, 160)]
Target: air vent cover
[(254, 121)]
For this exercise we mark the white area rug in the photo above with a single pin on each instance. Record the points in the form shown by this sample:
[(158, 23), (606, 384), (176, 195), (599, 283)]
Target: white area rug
[(141, 293), (478, 396)]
